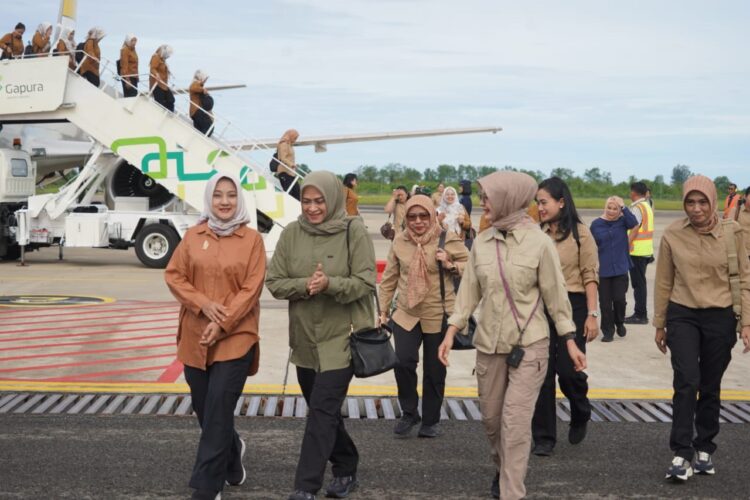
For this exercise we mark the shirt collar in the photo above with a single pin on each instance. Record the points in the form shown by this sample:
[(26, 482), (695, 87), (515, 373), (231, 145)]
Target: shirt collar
[(639, 200), (518, 234), (240, 231), (715, 232)]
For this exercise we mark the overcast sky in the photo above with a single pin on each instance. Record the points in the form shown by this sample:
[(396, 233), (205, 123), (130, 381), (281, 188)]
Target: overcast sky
[(632, 87)]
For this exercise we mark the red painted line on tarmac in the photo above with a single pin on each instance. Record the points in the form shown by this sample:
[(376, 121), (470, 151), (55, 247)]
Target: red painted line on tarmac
[(73, 378), (85, 342), (173, 305), (84, 353), (78, 320), (86, 334), (172, 372), (83, 363), (33, 330), (7, 311)]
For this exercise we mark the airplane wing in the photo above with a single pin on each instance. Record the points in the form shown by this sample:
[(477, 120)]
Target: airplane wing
[(321, 142), (213, 88)]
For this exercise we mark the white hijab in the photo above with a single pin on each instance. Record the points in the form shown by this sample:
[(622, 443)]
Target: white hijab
[(165, 51), (451, 210), (42, 28), (65, 37), (129, 39), (241, 217), (96, 33), (200, 76)]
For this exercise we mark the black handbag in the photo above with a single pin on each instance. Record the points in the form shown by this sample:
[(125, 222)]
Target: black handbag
[(371, 349), (464, 340)]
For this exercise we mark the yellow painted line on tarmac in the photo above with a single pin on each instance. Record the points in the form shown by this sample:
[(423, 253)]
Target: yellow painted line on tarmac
[(293, 389), (107, 279)]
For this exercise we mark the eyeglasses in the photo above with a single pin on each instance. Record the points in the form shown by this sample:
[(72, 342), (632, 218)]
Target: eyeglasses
[(417, 216)]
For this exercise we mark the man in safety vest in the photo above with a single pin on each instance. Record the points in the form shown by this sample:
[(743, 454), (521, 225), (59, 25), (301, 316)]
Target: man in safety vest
[(641, 240), (731, 202)]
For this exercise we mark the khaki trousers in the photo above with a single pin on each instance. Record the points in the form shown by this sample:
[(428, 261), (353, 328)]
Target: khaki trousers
[(507, 397)]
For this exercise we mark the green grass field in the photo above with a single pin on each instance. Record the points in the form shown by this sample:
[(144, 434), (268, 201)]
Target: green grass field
[(382, 199)]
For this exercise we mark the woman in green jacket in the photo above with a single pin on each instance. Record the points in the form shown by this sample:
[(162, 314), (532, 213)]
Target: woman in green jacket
[(324, 265)]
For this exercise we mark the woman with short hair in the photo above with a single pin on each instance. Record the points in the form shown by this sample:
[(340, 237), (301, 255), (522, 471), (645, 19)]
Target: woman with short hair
[(694, 319), (352, 200), (216, 273)]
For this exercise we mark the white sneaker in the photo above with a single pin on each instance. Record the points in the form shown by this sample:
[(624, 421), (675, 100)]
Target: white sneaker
[(244, 474), (680, 470), (703, 464)]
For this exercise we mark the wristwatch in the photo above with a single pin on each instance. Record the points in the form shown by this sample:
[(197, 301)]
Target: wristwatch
[(594, 314)]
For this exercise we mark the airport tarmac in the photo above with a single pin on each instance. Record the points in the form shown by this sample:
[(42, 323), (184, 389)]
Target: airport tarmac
[(126, 342)]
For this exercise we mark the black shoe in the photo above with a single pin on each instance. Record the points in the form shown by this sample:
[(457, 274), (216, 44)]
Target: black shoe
[(237, 477), (429, 431), (543, 449), (621, 330), (636, 320), (406, 424), (495, 488), (340, 487), (206, 495), (577, 433), (607, 338), (301, 495)]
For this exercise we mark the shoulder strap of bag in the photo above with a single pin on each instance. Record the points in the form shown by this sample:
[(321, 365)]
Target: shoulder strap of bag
[(349, 263), (441, 246), (734, 267), (509, 295)]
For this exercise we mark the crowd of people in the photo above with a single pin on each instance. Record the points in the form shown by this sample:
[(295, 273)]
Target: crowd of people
[(537, 280), (85, 58)]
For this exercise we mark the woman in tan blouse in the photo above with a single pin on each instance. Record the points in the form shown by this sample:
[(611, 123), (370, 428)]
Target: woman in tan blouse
[(396, 207), (579, 259), (412, 269), (216, 273), (516, 248), (40, 43), (89, 68), (129, 66), (694, 319), (158, 80), (202, 119)]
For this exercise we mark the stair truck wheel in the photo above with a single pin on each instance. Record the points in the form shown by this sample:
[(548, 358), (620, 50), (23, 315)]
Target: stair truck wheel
[(155, 244)]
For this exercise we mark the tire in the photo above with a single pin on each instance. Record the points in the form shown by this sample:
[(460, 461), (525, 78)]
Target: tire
[(155, 245)]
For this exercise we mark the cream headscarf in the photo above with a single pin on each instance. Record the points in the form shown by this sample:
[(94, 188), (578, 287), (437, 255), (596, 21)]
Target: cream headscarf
[(67, 39), (706, 187), (418, 282), (200, 76), (96, 33), (290, 136), (336, 219), (509, 194), (451, 210), (129, 39), (240, 218), (617, 201), (165, 51), (42, 28)]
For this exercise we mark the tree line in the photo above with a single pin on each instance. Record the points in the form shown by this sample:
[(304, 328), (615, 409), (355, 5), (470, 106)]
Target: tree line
[(594, 182)]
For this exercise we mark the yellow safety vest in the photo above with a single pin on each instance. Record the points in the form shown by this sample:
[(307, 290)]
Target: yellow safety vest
[(643, 244)]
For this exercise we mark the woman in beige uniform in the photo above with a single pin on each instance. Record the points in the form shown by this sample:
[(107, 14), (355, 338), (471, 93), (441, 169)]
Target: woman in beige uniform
[(694, 319), (742, 216), (40, 43), (413, 270), (66, 45), (129, 66), (158, 80), (579, 259), (515, 267), (89, 68)]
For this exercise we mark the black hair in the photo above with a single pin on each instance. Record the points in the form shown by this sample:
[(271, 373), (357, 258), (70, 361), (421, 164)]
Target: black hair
[(20, 26), (568, 219), (639, 188), (348, 178), (465, 186), (733, 185), (747, 191), (404, 189)]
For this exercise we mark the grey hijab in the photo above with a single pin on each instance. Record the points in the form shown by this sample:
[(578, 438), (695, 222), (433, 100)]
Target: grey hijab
[(336, 219)]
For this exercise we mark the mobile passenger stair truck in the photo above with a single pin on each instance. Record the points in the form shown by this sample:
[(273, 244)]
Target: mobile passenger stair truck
[(157, 155)]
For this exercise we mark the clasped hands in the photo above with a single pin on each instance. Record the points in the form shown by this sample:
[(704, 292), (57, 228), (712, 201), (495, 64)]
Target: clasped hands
[(318, 282)]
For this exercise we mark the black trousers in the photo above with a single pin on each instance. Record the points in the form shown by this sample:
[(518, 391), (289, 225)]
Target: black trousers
[(638, 280), (286, 180), (92, 78), (164, 97), (325, 436), (433, 372), (129, 87), (202, 121), (215, 392), (573, 384), (700, 342), (612, 302)]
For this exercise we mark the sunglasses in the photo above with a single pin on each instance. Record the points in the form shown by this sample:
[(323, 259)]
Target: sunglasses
[(417, 216)]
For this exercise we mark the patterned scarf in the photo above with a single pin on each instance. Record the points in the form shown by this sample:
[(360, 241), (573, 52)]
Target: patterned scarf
[(418, 281)]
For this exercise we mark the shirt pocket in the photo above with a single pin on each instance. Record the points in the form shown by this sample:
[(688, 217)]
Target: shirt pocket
[(524, 272)]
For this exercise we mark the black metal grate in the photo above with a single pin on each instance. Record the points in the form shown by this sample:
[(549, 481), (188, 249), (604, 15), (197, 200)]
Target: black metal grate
[(733, 412)]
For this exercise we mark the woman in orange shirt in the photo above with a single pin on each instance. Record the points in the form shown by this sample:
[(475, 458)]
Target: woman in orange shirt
[(217, 273)]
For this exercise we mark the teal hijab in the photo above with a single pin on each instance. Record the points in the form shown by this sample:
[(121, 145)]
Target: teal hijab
[(336, 219)]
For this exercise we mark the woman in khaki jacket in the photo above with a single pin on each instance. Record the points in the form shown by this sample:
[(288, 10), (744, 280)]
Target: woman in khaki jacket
[(515, 247), (40, 43), (158, 80), (216, 273), (11, 44), (129, 66), (324, 265), (287, 169), (412, 269), (694, 319), (579, 258), (202, 121), (89, 68), (66, 45)]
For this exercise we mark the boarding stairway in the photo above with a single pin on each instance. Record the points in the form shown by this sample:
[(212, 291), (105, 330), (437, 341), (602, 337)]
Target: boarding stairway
[(164, 145)]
